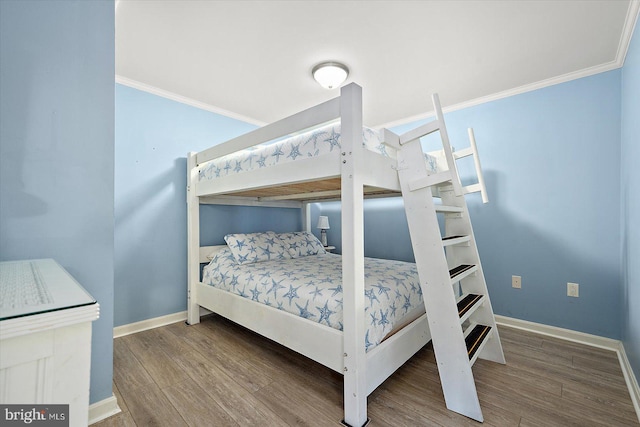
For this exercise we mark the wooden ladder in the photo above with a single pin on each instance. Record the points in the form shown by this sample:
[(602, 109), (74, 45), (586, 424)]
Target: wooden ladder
[(457, 303)]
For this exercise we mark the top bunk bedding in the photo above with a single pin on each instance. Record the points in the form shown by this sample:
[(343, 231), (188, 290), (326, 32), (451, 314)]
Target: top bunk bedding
[(292, 272), (314, 143)]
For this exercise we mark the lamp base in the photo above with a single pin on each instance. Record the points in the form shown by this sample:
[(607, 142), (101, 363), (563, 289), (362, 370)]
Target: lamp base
[(323, 238)]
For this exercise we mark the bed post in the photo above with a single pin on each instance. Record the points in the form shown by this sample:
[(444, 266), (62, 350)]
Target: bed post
[(193, 241), (306, 216), (355, 380)]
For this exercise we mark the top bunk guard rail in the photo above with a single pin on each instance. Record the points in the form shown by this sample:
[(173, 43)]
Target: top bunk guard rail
[(429, 128), (311, 117)]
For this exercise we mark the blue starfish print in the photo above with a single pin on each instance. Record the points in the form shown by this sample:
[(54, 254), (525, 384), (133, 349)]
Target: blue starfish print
[(393, 308), (271, 241), (223, 278), (325, 313), (406, 305), (304, 312), (255, 293), (293, 293), (337, 290), (369, 293), (367, 343), (295, 152), (234, 281), (316, 293), (240, 244), (383, 318), (274, 288), (267, 251), (382, 289), (261, 161), (333, 140), (374, 318), (265, 275), (277, 154), (242, 293)]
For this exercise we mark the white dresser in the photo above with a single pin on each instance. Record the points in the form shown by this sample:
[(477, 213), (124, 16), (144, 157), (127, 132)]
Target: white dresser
[(45, 337)]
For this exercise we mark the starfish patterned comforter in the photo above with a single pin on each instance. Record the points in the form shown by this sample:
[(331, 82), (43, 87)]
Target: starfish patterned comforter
[(311, 287), (314, 143)]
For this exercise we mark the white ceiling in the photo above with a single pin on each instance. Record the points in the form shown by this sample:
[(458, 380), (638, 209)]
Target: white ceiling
[(253, 59)]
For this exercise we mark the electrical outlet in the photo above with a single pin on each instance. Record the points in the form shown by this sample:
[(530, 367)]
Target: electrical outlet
[(573, 290), (516, 282)]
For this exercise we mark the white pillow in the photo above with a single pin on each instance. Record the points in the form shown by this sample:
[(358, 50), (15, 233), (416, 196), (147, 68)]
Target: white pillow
[(301, 243), (256, 247)]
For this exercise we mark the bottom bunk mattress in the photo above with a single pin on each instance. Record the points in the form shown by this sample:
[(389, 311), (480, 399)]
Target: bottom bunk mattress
[(311, 287)]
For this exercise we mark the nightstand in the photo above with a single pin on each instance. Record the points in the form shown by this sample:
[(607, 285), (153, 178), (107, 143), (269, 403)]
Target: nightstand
[(329, 248)]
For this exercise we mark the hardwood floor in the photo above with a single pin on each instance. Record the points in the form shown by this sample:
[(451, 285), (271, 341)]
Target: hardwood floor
[(219, 374)]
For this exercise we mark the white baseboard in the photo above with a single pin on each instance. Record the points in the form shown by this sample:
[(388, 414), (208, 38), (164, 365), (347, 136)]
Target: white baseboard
[(630, 378), (144, 325), (561, 333), (104, 409), (587, 339)]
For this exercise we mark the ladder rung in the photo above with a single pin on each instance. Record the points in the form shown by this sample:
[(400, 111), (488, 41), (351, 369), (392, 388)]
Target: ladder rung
[(468, 304), (473, 188), (454, 240), (465, 152), (448, 209), (476, 339), (456, 271), (430, 180)]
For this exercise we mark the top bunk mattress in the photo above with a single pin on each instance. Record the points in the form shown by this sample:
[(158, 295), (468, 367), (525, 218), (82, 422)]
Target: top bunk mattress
[(314, 143)]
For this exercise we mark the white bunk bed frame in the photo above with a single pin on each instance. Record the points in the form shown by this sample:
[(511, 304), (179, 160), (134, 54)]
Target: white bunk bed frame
[(348, 175)]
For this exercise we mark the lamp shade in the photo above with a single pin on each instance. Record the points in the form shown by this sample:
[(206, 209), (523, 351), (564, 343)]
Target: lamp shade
[(330, 74), (323, 222)]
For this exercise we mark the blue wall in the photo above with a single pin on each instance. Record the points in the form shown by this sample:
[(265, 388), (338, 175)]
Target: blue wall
[(153, 136), (630, 189), (56, 149), (551, 160)]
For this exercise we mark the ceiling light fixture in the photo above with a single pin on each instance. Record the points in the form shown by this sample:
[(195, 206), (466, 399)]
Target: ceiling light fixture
[(330, 74)]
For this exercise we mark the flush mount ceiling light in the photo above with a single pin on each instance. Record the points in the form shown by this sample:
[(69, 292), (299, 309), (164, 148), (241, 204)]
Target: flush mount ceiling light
[(330, 75)]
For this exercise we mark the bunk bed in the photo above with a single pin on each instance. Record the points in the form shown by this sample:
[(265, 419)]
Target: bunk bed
[(256, 170)]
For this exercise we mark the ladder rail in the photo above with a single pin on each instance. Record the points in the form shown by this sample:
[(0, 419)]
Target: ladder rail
[(455, 372), (446, 145), (462, 322), (472, 150), (427, 129), (476, 162)]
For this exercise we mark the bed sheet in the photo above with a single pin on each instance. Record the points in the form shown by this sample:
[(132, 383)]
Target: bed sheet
[(313, 143), (311, 287)]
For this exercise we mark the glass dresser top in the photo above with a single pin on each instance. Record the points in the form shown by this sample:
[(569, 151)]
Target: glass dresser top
[(38, 286)]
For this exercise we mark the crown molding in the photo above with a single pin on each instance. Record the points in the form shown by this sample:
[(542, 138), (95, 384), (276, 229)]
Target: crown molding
[(185, 100), (633, 12), (625, 40)]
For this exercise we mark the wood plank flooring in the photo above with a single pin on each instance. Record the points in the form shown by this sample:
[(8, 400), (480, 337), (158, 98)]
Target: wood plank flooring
[(217, 373)]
